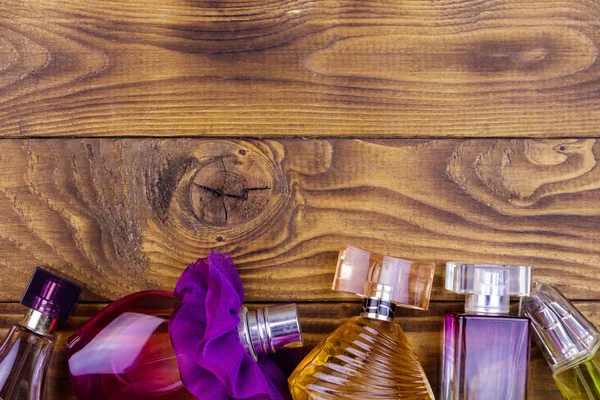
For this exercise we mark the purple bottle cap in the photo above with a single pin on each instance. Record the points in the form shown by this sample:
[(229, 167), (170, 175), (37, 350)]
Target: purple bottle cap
[(51, 295)]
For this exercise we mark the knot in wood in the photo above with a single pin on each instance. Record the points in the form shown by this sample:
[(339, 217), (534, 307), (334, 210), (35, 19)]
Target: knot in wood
[(231, 190), (517, 174)]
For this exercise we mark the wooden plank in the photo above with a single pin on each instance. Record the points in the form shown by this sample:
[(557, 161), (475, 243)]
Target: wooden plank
[(126, 215), (318, 320), (494, 68)]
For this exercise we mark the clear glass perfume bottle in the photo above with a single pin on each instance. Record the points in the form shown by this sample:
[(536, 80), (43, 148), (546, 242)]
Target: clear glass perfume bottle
[(125, 353), (369, 357), (568, 341), (486, 350), (26, 352)]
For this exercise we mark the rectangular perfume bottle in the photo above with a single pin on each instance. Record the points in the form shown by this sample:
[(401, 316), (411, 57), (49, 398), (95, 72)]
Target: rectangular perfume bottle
[(485, 357), (486, 350)]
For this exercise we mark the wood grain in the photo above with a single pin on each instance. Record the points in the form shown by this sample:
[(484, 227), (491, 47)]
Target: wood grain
[(416, 68), (130, 214), (318, 320)]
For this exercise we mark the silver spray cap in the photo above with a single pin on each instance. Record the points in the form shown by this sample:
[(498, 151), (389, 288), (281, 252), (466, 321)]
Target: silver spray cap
[(270, 329), (562, 333), (488, 287)]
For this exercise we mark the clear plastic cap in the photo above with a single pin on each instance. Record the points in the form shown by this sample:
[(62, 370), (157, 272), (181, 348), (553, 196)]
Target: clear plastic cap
[(488, 286), (562, 333), (366, 274)]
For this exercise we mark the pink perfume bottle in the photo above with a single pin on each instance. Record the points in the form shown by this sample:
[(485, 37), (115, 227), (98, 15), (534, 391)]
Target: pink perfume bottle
[(486, 350), (26, 352), (125, 353)]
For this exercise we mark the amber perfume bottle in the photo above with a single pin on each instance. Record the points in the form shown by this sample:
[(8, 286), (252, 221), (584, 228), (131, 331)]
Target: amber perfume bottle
[(369, 357), (568, 341), (486, 350)]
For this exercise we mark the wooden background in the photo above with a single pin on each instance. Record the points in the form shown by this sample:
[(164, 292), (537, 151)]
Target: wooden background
[(138, 135)]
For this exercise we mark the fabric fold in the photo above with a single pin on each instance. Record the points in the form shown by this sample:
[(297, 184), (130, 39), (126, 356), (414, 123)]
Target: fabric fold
[(203, 331)]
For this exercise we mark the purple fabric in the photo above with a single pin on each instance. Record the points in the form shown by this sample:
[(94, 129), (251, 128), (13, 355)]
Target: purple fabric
[(203, 330)]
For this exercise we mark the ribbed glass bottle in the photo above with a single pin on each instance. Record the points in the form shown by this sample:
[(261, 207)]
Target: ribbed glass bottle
[(369, 357), (363, 359)]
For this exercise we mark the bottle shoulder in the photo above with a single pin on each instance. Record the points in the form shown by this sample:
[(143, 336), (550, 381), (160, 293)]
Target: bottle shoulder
[(499, 317), (155, 303), (151, 302), (19, 334), (373, 323), (21, 330), (590, 358), (357, 327)]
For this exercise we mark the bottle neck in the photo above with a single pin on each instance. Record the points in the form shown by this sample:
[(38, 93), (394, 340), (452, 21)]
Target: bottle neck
[(487, 304), (267, 330), (376, 308), (39, 323)]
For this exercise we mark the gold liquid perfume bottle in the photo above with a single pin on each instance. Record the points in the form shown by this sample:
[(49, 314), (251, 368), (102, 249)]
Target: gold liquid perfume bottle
[(369, 357), (568, 341)]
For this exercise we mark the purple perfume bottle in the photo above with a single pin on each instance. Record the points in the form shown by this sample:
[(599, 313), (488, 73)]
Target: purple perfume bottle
[(486, 350), (26, 352)]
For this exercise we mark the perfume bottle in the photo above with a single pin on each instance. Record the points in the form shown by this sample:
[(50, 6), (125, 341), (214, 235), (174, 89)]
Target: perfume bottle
[(125, 353), (26, 352), (369, 357), (568, 341), (486, 350)]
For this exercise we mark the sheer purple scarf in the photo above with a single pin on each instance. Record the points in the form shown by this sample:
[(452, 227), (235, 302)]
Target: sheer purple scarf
[(203, 330)]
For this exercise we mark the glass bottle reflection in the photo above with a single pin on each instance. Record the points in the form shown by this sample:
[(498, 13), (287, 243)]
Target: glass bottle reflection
[(485, 357), (369, 357), (124, 352), (362, 359), (581, 381), (24, 359), (485, 350), (568, 341), (27, 350)]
